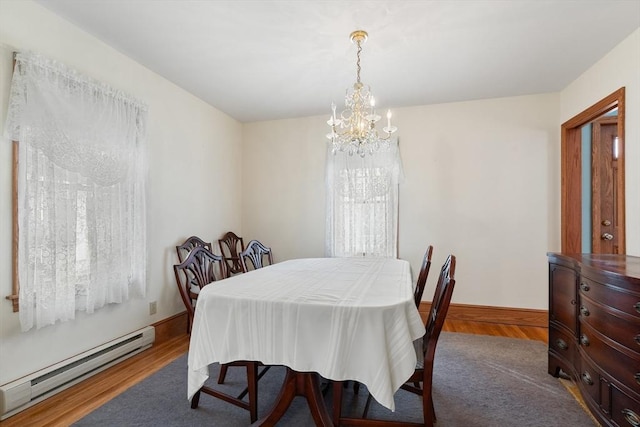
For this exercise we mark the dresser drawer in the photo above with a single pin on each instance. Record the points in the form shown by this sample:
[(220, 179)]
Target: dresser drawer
[(620, 299), (563, 345), (621, 366), (590, 385), (625, 410), (604, 398), (618, 327)]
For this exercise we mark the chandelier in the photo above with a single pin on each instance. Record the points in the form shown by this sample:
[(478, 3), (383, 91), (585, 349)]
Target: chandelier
[(354, 130)]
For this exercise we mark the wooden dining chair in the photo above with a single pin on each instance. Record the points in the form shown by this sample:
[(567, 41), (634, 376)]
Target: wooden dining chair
[(230, 247), (190, 244), (199, 269), (422, 277), (255, 256), (185, 249), (425, 353)]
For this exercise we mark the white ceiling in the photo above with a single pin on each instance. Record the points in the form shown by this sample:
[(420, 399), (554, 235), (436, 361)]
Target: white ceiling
[(263, 60)]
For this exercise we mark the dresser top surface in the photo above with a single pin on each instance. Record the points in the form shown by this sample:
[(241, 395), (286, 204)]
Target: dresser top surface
[(623, 265)]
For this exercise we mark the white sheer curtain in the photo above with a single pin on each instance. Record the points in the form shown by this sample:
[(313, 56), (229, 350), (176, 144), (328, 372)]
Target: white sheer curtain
[(362, 203), (81, 191)]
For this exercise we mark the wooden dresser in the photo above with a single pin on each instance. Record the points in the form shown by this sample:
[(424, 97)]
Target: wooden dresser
[(594, 331)]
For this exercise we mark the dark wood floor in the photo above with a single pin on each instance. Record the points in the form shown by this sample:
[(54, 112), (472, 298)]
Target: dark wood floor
[(74, 403)]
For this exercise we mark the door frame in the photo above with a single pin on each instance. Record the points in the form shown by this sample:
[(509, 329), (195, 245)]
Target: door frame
[(571, 171)]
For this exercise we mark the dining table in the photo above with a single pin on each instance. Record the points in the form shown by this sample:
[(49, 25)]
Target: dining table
[(336, 318)]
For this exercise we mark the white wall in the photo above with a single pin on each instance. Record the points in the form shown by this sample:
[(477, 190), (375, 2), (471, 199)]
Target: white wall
[(194, 184), (619, 68), (482, 179), (283, 199)]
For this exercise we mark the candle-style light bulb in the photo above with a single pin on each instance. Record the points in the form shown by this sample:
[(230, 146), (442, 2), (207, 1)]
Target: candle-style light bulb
[(372, 102), (389, 118), (333, 108)]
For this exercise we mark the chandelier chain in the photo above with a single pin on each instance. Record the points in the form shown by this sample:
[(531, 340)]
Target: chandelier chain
[(358, 62)]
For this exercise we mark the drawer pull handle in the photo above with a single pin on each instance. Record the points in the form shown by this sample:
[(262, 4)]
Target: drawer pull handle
[(584, 340), (562, 345), (637, 306), (586, 378), (631, 417), (637, 338), (584, 311), (637, 377), (584, 287)]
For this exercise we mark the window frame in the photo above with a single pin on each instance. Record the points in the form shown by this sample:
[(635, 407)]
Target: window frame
[(15, 280)]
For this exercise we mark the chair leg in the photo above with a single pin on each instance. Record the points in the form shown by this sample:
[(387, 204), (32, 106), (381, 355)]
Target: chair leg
[(252, 381), (246, 389), (367, 406), (337, 401), (325, 385), (433, 410), (428, 410), (195, 400), (222, 374), (427, 399)]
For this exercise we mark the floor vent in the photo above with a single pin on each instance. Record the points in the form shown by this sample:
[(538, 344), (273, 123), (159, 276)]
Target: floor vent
[(27, 391)]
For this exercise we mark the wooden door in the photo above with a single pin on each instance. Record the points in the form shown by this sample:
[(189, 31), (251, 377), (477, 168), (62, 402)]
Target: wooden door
[(571, 172), (607, 224)]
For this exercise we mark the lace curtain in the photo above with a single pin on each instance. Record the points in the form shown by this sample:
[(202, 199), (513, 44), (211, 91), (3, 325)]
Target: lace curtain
[(81, 191), (362, 203)]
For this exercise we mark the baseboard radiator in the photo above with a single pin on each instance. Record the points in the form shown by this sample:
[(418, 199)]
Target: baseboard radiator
[(27, 391)]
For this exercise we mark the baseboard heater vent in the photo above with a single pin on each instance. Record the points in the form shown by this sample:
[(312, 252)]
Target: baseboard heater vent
[(27, 391)]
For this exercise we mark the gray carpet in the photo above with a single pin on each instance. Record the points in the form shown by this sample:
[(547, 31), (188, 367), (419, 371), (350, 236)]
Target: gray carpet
[(479, 381)]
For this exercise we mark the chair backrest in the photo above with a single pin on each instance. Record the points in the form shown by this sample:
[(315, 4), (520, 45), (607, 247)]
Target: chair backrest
[(230, 247), (439, 309), (200, 268), (190, 244), (255, 256), (422, 277)]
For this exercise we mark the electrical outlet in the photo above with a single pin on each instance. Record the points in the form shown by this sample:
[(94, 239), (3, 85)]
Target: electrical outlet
[(153, 307)]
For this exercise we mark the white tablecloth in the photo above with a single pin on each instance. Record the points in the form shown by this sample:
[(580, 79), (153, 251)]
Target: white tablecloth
[(345, 318)]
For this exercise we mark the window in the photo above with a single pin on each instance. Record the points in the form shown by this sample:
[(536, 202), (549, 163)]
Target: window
[(80, 200), (362, 203)]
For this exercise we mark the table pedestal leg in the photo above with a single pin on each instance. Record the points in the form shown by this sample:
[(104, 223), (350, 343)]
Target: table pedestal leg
[(304, 384)]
